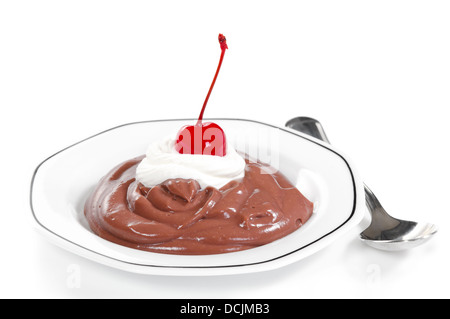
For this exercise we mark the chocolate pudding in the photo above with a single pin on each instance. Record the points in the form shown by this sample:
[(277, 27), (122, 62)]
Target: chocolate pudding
[(179, 217)]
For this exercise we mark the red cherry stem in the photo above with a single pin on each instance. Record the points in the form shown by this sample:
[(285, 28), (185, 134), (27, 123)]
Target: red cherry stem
[(223, 46)]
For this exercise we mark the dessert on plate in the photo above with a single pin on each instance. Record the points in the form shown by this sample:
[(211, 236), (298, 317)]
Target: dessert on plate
[(192, 193)]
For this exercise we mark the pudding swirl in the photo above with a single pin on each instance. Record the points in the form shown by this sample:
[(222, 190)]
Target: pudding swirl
[(178, 216)]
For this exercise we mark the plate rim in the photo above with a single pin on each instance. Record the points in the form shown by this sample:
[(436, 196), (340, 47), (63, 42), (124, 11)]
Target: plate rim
[(199, 267)]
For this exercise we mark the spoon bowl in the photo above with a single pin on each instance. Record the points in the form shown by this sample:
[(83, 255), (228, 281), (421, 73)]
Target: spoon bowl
[(384, 232), (407, 235)]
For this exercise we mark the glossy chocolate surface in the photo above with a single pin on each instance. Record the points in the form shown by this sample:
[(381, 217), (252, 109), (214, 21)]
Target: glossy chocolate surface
[(178, 217)]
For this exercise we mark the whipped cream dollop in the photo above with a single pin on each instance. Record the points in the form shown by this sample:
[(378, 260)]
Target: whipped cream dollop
[(163, 162)]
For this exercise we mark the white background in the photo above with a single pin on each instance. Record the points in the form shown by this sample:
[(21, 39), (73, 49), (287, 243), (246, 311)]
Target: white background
[(375, 73)]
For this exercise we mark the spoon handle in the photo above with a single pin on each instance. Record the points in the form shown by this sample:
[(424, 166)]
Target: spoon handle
[(308, 126), (313, 128), (372, 202)]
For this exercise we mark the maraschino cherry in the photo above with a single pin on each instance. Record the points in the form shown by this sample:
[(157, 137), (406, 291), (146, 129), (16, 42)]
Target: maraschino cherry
[(204, 138)]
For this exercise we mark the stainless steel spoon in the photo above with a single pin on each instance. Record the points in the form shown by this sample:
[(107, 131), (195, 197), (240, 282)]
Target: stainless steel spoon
[(384, 232)]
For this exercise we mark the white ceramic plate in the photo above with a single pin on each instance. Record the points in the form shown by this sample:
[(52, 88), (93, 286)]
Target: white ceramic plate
[(62, 183)]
